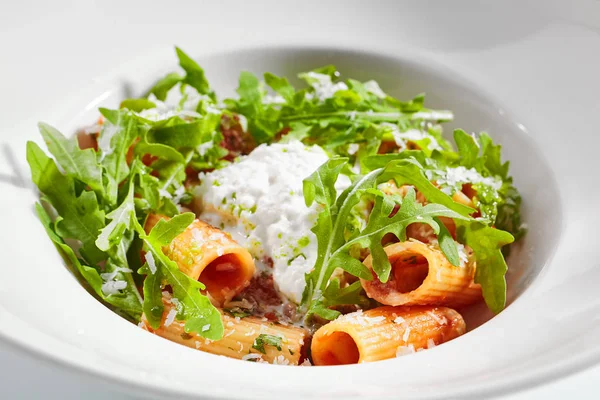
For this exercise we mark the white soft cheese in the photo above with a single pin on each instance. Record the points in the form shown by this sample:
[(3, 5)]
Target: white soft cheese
[(259, 200)]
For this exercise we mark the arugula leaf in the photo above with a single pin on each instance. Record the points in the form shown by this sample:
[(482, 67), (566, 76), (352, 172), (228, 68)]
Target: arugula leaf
[(410, 172), (333, 249), (159, 150), (329, 229), (77, 163), (281, 86), (137, 105), (90, 274), (162, 87), (468, 148), (129, 303), (195, 308), (251, 94), (181, 134), (298, 131), (263, 121), (265, 339), (491, 153), (447, 244), (80, 217), (380, 223), (121, 219), (351, 294), (194, 74), (119, 131), (486, 243)]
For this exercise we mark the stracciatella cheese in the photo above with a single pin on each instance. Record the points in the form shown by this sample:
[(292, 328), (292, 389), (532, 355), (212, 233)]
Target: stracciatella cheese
[(259, 201)]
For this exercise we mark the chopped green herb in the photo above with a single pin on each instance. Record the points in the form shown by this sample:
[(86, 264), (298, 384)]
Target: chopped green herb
[(264, 339)]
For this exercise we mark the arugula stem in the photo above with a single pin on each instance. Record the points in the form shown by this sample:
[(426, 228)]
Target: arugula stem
[(375, 116), (339, 224)]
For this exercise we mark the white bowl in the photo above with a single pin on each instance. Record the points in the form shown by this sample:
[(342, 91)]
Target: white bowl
[(529, 77)]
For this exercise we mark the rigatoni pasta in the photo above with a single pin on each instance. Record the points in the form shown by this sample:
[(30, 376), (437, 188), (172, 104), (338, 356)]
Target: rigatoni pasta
[(248, 338), (384, 332), (420, 275), (209, 255)]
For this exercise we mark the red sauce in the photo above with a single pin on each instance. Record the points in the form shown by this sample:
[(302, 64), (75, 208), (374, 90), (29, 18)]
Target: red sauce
[(235, 139)]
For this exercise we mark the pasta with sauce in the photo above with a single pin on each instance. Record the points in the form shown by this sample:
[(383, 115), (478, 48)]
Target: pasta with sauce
[(332, 223)]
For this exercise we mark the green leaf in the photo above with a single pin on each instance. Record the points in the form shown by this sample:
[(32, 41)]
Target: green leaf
[(447, 244), (80, 217), (410, 172), (320, 185), (153, 305), (330, 227), (195, 308), (281, 86), (137, 105), (468, 149), (79, 164), (180, 134), (121, 220), (375, 161), (298, 131), (351, 294), (251, 94), (486, 243), (412, 106), (194, 74), (119, 130), (265, 339), (491, 153), (166, 230), (127, 302), (380, 224), (162, 87), (90, 274), (322, 311), (159, 150)]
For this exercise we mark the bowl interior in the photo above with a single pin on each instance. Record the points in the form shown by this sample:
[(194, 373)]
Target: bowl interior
[(89, 327)]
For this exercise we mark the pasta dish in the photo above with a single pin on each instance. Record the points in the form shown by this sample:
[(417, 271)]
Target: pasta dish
[(320, 223)]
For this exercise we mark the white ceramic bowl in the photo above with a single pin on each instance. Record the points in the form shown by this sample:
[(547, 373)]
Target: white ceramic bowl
[(526, 72)]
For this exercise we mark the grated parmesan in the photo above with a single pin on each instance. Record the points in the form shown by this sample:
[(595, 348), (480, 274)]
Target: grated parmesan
[(323, 86), (438, 319), (281, 360), (151, 262), (170, 317), (406, 335), (405, 350), (453, 176)]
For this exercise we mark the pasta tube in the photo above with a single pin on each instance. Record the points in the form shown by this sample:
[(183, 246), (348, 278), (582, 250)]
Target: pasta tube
[(422, 275), (209, 255), (246, 338), (384, 332)]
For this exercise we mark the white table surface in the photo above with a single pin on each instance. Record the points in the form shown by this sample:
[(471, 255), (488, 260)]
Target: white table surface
[(23, 376)]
